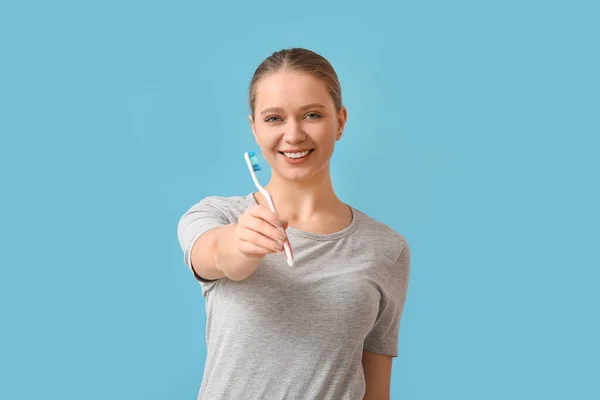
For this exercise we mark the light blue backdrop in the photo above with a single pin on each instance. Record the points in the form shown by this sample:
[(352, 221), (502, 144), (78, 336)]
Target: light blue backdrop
[(473, 130)]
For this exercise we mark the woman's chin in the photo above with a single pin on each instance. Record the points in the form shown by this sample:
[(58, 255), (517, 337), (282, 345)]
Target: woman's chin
[(298, 174), (298, 171)]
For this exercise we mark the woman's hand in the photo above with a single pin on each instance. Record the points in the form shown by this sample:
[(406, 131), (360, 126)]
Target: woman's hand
[(259, 232)]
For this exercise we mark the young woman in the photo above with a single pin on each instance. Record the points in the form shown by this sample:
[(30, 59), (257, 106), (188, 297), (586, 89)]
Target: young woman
[(326, 328)]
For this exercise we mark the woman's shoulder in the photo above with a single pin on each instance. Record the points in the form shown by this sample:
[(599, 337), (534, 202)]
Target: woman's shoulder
[(228, 205), (371, 228), (226, 201), (382, 243)]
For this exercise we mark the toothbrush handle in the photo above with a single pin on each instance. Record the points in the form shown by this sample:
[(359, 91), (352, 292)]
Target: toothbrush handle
[(289, 255), (288, 252)]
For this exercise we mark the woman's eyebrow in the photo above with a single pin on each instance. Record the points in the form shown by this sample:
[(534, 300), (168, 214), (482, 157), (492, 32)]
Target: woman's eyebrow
[(312, 105), (279, 109), (271, 109)]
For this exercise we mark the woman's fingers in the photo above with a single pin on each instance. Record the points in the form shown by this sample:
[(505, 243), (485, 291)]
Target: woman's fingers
[(260, 240), (260, 231)]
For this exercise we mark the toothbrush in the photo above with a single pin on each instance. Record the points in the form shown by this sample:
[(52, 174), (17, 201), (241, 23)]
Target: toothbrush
[(253, 166)]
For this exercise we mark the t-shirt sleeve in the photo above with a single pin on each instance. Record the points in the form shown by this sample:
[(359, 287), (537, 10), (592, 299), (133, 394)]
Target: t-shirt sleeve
[(199, 219), (383, 337)]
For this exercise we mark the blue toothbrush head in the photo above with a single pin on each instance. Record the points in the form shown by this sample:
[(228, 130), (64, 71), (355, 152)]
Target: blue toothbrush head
[(254, 160)]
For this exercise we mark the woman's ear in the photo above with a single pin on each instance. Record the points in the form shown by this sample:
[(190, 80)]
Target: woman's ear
[(342, 118), (252, 125)]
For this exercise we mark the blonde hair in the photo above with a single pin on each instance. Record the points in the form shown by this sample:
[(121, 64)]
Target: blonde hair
[(302, 60)]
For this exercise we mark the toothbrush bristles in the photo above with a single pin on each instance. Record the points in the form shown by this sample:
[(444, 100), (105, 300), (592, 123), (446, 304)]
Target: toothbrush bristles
[(254, 161)]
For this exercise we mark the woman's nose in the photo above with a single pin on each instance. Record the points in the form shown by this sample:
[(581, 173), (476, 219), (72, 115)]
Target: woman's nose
[(293, 132)]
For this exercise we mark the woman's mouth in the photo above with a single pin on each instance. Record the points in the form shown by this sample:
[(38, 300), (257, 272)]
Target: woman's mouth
[(296, 157)]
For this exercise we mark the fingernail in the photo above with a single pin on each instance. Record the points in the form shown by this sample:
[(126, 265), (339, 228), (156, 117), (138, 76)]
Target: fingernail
[(282, 237), (279, 223), (279, 244)]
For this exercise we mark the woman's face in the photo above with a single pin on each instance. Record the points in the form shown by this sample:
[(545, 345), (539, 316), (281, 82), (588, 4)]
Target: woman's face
[(296, 124)]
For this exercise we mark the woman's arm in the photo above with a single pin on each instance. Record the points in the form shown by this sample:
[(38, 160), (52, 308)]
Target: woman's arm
[(378, 375), (235, 250)]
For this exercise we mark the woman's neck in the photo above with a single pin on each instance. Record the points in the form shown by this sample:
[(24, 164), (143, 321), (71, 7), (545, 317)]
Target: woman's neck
[(300, 201)]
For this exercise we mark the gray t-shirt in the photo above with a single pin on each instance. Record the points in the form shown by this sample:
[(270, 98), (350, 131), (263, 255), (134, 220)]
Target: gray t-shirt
[(299, 332)]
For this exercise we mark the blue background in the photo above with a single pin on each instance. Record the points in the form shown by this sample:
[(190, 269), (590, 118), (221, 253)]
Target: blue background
[(473, 131)]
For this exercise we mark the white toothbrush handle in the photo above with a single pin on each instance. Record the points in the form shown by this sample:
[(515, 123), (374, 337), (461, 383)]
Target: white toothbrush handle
[(286, 245)]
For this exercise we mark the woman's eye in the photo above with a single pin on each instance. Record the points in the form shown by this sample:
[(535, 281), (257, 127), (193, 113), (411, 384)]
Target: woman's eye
[(272, 119), (312, 115)]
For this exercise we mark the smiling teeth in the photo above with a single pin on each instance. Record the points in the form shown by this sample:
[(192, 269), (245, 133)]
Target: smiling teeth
[(297, 155)]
